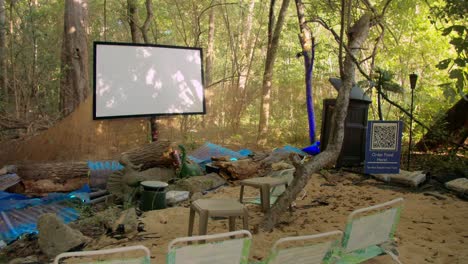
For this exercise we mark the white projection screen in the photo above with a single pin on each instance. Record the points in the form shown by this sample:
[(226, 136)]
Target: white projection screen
[(132, 80)]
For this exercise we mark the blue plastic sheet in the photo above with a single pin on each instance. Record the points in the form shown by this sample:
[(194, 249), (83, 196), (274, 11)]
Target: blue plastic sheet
[(104, 165), (19, 214), (289, 148), (203, 154), (245, 152)]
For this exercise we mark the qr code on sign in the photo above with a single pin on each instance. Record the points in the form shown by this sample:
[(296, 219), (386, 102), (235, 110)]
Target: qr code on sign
[(384, 136)]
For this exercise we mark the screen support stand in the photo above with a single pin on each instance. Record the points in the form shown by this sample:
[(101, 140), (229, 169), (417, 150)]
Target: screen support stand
[(154, 129)]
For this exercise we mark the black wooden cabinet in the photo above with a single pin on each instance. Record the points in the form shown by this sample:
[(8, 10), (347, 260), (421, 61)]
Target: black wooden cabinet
[(353, 150)]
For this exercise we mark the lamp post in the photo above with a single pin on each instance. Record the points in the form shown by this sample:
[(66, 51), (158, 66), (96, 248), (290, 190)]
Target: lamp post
[(413, 79)]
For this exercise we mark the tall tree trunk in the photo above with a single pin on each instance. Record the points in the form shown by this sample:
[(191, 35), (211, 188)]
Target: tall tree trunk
[(247, 48), (31, 95), (3, 72), (74, 82), (356, 36), (149, 17), (12, 82), (308, 51), (209, 68), (274, 33), (137, 34), (210, 49), (104, 30), (132, 13)]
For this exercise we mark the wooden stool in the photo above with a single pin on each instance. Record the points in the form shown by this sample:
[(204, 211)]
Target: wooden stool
[(264, 184), (218, 208)]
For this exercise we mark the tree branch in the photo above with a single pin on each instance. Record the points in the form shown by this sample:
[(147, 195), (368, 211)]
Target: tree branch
[(149, 16), (222, 80), (203, 11), (327, 27), (340, 43), (356, 62)]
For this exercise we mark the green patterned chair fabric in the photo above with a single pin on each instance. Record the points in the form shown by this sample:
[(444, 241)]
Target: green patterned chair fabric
[(312, 249), (370, 232), (224, 248), (141, 260)]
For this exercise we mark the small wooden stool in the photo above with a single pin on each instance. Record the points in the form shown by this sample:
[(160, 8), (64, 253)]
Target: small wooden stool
[(264, 184), (218, 208)]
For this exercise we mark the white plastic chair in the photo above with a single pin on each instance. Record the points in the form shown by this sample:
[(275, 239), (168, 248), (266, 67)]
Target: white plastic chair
[(142, 260), (370, 232), (311, 249), (224, 248)]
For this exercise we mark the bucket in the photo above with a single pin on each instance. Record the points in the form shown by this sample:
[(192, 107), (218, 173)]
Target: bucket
[(153, 196)]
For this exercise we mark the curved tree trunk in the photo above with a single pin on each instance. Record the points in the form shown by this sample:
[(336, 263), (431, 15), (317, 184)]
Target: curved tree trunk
[(132, 13), (74, 83), (356, 36)]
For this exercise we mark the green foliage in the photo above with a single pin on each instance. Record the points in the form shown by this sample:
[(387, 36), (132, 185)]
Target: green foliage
[(411, 43), (449, 16), (385, 80)]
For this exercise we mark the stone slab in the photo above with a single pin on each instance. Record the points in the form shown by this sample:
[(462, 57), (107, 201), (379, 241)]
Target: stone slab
[(408, 178), (459, 185)]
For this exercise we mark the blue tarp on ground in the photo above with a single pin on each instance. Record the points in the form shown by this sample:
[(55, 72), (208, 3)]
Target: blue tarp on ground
[(288, 148), (19, 214), (203, 154)]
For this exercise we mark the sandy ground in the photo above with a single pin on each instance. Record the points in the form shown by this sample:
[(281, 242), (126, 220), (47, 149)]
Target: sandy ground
[(430, 230)]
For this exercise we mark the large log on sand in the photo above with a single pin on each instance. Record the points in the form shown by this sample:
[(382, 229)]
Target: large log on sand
[(238, 170), (156, 154), (41, 178)]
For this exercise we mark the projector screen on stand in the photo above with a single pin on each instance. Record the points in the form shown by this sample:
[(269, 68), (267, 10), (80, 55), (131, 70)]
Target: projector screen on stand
[(133, 80)]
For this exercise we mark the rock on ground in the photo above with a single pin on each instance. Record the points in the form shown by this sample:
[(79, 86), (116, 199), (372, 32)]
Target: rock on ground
[(129, 219), (198, 183), (459, 185), (55, 237)]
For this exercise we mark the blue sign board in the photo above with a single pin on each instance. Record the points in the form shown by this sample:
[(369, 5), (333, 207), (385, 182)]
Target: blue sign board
[(383, 147)]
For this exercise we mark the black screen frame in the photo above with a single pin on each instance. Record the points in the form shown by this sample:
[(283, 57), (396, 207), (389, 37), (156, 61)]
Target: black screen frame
[(96, 43)]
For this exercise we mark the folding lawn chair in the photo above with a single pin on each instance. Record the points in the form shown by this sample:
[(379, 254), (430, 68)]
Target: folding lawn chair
[(141, 260), (312, 249), (224, 248), (370, 232)]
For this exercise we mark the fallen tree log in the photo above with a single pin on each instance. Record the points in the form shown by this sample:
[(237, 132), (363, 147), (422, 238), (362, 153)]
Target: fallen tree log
[(8, 169), (41, 178), (156, 154), (238, 170)]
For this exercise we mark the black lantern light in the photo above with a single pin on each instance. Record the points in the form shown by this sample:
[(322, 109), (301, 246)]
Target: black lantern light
[(413, 79)]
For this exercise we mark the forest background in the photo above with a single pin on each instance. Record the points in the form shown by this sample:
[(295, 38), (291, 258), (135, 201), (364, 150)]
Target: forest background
[(426, 37)]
